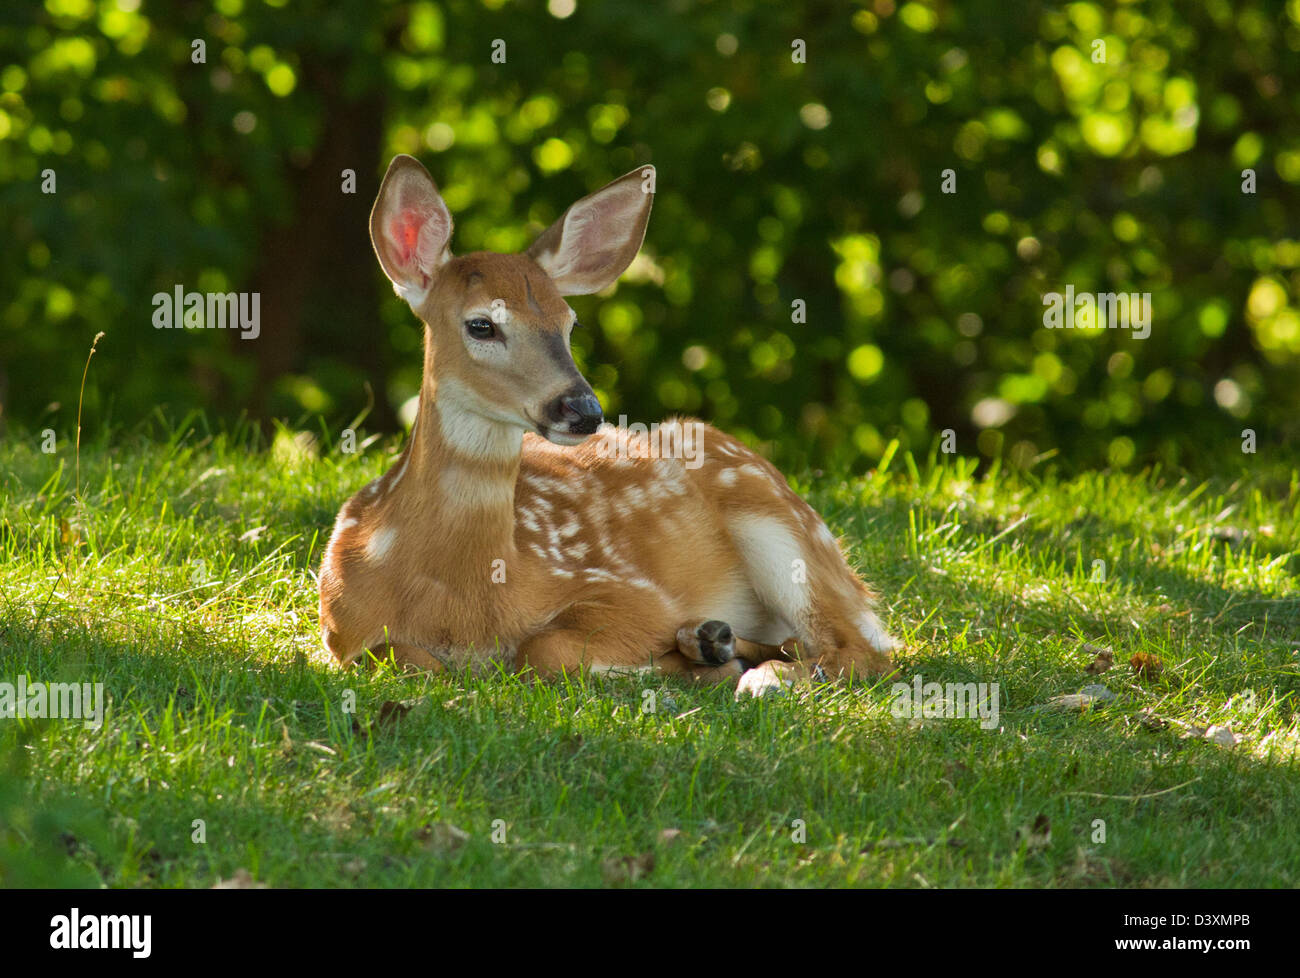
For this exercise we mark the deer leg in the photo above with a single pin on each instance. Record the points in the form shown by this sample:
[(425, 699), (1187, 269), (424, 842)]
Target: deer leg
[(677, 664), (601, 650), (708, 643), (775, 676), (566, 650), (553, 653), (796, 569), (712, 642), (756, 653)]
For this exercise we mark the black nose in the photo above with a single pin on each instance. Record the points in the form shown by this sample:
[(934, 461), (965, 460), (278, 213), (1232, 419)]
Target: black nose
[(582, 412)]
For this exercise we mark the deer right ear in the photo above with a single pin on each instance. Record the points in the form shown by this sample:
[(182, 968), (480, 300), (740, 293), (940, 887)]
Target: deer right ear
[(410, 228)]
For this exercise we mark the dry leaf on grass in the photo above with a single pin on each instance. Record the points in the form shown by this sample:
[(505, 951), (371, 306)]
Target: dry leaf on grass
[(1036, 837), (1151, 721), (1217, 733), (390, 711), (1222, 735), (442, 837), (668, 836), (242, 880), (1086, 698), (1146, 665), (1091, 867), (69, 533), (1102, 659), (627, 869), (462, 701), (1188, 730), (354, 867)]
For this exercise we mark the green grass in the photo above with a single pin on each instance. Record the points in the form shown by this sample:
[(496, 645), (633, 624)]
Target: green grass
[(222, 710)]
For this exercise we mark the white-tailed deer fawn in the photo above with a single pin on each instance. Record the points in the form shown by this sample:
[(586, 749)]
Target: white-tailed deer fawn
[(516, 527)]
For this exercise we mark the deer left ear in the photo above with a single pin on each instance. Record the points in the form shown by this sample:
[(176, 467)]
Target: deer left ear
[(595, 240)]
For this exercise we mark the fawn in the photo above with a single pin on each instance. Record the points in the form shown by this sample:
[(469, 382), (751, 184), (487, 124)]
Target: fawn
[(517, 528)]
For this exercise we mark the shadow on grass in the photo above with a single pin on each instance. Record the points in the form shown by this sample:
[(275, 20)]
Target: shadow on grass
[(289, 789)]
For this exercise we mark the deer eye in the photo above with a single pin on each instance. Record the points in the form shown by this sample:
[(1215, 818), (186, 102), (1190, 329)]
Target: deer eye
[(480, 328)]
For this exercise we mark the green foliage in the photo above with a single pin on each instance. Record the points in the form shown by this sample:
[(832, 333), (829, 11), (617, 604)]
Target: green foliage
[(780, 182)]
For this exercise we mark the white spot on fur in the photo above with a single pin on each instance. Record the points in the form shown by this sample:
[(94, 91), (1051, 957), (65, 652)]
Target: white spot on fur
[(733, 600), (669, 477), (413, 297), (727, 477), (381, 542), (541, 483), (768, 549), (397, 477), (467, 430), (874, 632)]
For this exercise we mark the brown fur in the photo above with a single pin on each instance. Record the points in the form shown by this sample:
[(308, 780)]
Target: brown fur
[(485, 542)]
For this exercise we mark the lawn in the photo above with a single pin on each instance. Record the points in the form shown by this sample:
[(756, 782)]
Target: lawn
[(182, 578)]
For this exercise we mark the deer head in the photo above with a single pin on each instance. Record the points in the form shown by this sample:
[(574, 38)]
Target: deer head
[(497, 327)]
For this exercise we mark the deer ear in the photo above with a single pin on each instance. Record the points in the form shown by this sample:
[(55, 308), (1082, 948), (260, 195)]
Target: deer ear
[(595, 240), (410, 227)]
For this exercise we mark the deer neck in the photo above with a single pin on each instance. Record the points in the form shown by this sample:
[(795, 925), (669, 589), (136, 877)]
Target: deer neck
[(460, 486)]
